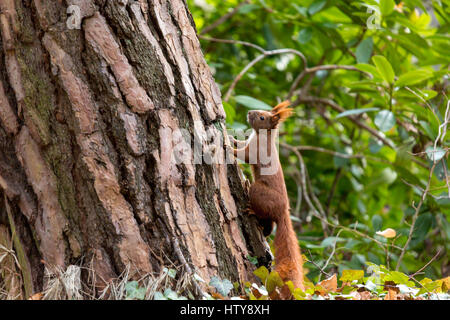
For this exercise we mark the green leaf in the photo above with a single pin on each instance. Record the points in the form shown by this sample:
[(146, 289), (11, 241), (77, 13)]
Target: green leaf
[(377, 222), (246, 8), (159, 296), (262, 273), (134, 292), (349, 289), (421, 228), (229, 111), (351, 275), (302, 10), (413, 77), (384, 68), (386, 7), (273, 281), (428, 130), (253, 260), (222, 286), (305, 35), (252, 103), (364, 50), (316, 6), (369, 69), (428, 286), (427, 94), (375, 145), (388, 176), (355, 111), (398, 278), (330, 241), (435, 155), (170, 294), (385, 120), (170, 272)]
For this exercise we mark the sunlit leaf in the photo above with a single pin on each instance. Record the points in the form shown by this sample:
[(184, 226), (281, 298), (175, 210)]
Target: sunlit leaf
[(351, 275), (273, 281), (413, 77), (384, 68), (262, 273), (386, 7)]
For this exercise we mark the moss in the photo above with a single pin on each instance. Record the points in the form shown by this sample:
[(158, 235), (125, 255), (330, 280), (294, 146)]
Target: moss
[(21, 257), (38, 93)]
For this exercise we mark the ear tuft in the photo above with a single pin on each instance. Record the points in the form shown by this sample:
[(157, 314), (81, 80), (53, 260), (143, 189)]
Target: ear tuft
[(281, 106), (281, 111)]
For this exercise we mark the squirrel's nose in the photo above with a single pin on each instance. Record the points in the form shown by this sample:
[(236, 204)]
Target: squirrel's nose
[(251, 114)]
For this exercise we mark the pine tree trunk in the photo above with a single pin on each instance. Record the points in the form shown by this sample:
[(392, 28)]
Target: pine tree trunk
[(89, 107)]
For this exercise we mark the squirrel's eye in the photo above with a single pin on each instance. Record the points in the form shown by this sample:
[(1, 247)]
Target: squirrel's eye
[(262, 118)]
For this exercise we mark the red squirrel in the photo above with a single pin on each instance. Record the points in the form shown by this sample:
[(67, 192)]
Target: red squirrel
[(268, 195)]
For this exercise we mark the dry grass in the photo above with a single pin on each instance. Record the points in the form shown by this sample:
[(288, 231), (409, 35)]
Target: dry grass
[(69, 285), (77, 282)]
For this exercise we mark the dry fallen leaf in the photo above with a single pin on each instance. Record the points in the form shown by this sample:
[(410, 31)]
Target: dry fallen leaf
[(330, 284), (391, 295), (218, 296), (356, 296), (445, 284), (36, 296), (387, 233), (365, 295)]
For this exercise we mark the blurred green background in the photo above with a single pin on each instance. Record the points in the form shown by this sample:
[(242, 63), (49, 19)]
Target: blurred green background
[(382, 73)]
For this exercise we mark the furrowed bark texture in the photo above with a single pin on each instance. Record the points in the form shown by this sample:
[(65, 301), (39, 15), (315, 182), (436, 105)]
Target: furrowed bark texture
[(86, 145)]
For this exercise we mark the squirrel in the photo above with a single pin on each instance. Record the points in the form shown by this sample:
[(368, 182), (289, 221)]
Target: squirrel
[(268, 195)]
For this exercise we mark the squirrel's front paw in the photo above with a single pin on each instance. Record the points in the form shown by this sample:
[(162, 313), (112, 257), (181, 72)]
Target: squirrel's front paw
[(249, 211)]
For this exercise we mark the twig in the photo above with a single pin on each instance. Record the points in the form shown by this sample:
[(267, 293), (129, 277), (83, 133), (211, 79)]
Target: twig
[(416, 214), (323, 219), (333, 189), (339, 109), (264, 53), (332, 253), (422, 190), (317, 266), (342, 155), (426, 265), (256, 60), (447, 182), (305, 189), (224, 18), (313, 70), (244, 43)]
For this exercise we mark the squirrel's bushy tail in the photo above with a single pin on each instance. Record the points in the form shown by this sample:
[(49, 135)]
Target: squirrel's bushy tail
[(288, 259)]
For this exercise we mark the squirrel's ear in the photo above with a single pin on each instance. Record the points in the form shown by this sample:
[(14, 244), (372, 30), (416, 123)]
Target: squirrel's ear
[(284, 114), (281, 106), (281, 112)]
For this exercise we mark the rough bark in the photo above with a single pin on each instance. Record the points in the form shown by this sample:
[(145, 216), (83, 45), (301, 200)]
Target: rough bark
[(87, 118)]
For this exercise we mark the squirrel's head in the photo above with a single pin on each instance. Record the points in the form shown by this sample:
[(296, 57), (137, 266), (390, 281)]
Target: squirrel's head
[(260, 119)]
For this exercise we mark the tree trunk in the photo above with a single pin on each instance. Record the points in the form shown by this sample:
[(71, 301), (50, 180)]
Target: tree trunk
[(90, 104)]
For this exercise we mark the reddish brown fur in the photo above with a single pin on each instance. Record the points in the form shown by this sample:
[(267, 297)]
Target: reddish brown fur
[(269, 199)]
